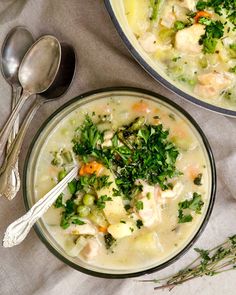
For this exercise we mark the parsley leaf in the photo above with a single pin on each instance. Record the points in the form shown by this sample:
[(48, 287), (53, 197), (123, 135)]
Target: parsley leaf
[(109, 240), (195, 204), (101, 202), (59, 201), (139, 205)]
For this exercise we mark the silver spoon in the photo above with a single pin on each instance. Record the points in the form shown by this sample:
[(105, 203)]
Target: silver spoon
[(18, 230), (36, 74), (14, 47), (60, 85)]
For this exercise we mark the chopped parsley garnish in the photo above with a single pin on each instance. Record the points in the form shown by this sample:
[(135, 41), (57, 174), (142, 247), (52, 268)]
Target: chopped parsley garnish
[(179, 25), (233, 70), (139, 223), (195, 204), (109, 240), (139, 205), (59, 201), (198, 179), (214, 30), (144, 152), (101, 202), (227, 7)]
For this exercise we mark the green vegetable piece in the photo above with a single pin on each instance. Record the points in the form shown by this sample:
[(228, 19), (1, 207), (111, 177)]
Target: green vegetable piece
[(179, 25), (139, 223), (154, 4), (109, 240), (67, 156), (61, 174), (77, 221), (195, 204), (101, 202), (139, 205), (137, 123), (88, 199), (72, 186), (83, 211), (233, 70), (198, 179), (59, 201)]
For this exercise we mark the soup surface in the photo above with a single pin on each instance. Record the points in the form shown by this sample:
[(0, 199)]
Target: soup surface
[(142, 188), (194, 42)]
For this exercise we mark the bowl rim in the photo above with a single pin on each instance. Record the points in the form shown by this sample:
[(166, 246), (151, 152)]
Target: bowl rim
[(154, 74), (211, 198)]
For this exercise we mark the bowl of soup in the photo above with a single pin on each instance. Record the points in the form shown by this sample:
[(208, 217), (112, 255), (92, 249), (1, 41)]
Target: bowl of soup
[(145, 187), (188, 46)]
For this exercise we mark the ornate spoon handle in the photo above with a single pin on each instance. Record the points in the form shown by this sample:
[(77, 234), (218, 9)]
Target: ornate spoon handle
[(18, 230), (6, 130), (9, 174)]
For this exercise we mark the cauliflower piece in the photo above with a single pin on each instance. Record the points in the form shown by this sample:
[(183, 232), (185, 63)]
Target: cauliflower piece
[(168, 17), (187, 40), (107, 138), (148, 41), (212, 84)]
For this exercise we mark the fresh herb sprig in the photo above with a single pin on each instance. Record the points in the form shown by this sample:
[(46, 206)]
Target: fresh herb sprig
[(208, 263)]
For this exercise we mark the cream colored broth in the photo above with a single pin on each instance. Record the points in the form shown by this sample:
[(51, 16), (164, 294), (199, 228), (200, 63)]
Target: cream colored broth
[(176, 50), (148, 245)]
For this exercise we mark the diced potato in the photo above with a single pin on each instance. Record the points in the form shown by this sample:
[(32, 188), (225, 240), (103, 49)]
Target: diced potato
[(148, 242), (138, 15), (121, 230), (114, 209), (187, 40)]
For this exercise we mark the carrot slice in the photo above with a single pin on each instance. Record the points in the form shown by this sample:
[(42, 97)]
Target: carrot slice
[(90, 168), (102, 229), (141, 107), (201, 14)]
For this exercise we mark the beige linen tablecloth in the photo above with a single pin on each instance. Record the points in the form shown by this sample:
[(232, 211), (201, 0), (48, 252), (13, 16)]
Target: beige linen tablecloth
[(104, 61)]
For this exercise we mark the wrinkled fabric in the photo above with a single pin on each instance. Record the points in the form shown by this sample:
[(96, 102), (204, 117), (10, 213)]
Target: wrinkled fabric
[(103, 61)]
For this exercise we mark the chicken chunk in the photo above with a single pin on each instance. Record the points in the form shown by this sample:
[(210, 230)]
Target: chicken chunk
[(150, 214), (148, 41), (121, 230), (210, 85), (91, 249), (175, 192), (189, 4), (187, 40)]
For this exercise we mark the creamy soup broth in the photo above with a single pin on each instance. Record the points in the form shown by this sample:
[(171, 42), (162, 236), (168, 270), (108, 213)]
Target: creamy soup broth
[(193, 42), (154, 241)]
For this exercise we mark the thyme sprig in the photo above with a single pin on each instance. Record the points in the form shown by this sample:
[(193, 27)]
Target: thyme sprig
[(208, 263)]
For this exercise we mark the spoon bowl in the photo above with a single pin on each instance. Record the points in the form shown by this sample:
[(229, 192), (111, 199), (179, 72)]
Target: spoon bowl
[(16, 44), (59, 86), (37, 72)]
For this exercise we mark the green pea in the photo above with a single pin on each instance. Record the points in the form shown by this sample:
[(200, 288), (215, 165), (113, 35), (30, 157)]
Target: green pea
[(61, 175), (83, 211), (88, 200)]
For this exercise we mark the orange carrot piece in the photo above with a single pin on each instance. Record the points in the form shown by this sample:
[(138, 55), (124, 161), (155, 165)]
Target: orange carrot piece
[(102, 229), (90, 168), (141, 107), (201, 14)]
